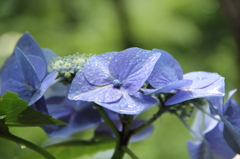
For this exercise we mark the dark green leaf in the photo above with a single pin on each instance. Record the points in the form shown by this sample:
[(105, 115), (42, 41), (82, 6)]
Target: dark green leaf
[(75, 149), (16, 112)]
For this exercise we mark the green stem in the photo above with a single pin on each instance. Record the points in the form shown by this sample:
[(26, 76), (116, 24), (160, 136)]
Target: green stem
[(108, 121), (129, 152), (125, 136), (189, 128), (150, 121), (26, 143)]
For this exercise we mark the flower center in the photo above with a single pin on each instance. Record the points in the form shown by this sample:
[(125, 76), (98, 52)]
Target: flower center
[(116, 83)]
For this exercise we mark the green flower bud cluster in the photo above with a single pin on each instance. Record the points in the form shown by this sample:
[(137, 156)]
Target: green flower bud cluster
[(183, 110), (68, 66)]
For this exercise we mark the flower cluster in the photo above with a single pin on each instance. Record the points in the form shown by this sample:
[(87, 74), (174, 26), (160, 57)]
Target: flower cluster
[(68, 66), (117, 87)]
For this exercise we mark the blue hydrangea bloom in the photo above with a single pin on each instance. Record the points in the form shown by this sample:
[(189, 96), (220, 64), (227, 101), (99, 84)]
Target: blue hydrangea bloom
[(78, 114), (204, 84), (113, 80), (229, 113), (25, 73), (208, 142), (167, 75)]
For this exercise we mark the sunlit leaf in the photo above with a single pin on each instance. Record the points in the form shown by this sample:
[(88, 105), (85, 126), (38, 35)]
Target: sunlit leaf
[(75, 149), (16, 112)]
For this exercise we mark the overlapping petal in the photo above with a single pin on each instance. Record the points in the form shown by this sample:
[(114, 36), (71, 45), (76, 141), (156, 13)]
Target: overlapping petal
[(166, 70), (131, 105), (132, 67), (82, 90), (96, 69), (191, 92), (209, 142), (28, 71)]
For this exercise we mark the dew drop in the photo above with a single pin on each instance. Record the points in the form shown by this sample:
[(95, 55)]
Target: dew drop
[(21, 146)]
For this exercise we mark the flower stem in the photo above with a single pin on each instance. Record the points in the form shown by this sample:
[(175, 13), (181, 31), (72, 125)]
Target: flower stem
[(129, 152), (161, 110), (125, 136), (108, 121), (26, 143)]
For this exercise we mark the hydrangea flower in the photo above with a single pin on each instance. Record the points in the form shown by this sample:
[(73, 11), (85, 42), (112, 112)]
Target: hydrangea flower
[(204, 84), (25, 73), (167, 75), (113, 80), (229, 113), (78, 114), (208, 142)]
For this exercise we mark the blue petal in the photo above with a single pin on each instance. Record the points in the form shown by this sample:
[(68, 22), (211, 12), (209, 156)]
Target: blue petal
[(28, 71), (232, 136), (131, 105), (38, 65), (201, 79), (166, 70), (199, 150), (143, 133), (48, 80), (78, 121), (103, 94), (232, 124), (30, 47), (79, 85), (82, 90), (217, 144), (96, 69), (132, 67), (215, 89), (169, 87), (40, 105), (49, 54), (217, 102)]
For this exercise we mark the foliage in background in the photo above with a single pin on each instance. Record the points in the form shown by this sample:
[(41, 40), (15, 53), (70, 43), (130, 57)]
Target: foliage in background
[(194, 32)]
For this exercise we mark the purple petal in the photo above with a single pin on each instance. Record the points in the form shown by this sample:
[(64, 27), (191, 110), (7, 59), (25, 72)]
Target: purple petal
[(169, 87), (132, 67), (38, 65), (78, 121), (103, 94), (131, 105), (197, 124), (96, 69), (57, 89), (79, 85), (40, 105), (49, 54), (217, 144), (215, 89), (142, 134), (48, 80), (217, 102), (29, 73), (231, 135), (201, 79), (29, 46), (103, 128), (199, 150), (166, 70), (82, 90)]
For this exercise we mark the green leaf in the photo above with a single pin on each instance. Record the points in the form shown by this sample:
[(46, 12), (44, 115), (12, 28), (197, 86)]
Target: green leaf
[(75, 149), (16, 112)]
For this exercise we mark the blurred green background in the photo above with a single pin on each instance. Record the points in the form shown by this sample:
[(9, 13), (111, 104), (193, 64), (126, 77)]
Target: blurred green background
[(195, 32)]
